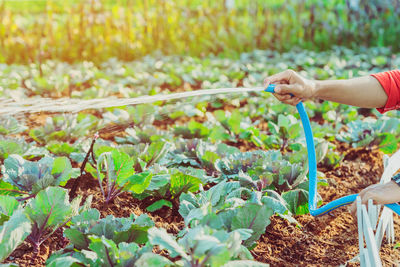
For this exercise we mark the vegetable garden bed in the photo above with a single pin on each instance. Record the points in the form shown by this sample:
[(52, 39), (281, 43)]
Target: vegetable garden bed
[(208, 163)]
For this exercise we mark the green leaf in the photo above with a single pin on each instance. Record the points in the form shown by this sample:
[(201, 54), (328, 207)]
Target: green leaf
[(138, 182), (234, 121), (137, 232), (332, 159), (61, 149), (295, 131), (51, 207), (254, 217), (209, 158), (198, 129), (8, 205), (128, 252), (152, 153), (218, 134), (161, 238), (123, 165), (66, 261), (152, 260), (159, 204), (9, 189), (321, 150), (182, 183), (8, 147), (13, 232), (77, 238), (379, 60), (283, 121), (132, 229), (106, 250), (388, 144), (62, 170), (296, 198)]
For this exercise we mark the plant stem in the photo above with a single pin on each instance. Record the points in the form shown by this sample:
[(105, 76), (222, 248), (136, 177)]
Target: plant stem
[(72, 193), (285, 142), (26, 198), (14, 191), (108, 257), (205, 260)]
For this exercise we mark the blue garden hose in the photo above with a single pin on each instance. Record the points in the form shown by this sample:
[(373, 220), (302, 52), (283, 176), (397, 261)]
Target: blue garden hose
[(312, 163)]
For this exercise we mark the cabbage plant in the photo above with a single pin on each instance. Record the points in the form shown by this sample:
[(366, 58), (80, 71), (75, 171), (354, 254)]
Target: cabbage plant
[(383, 133), (202, 246), (108, 241), (51, 210), (116, 174), (30, 177)]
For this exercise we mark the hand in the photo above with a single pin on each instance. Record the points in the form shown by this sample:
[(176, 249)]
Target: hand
[(291, 88), (380, 194)]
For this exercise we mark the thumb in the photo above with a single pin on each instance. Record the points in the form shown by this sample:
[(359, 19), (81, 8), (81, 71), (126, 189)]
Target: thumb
[(284, 89)]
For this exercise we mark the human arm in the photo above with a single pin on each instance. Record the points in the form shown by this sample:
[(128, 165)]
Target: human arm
[(364, 92)]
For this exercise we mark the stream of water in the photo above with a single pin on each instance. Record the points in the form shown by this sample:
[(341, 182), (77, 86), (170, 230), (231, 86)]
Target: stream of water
[(72, 105)]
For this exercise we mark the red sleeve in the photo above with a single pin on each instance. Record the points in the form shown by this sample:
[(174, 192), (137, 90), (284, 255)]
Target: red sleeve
[(390, 81)]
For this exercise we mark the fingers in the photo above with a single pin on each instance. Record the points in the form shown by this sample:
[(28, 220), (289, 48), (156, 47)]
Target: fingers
[(288, 99), (294, 89), (365, 195), (353, 209), (282, 98), (284, 76), (293, 101), (364, 201)]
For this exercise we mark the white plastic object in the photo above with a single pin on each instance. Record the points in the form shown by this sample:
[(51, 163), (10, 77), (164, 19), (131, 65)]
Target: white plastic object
[(376, 218)]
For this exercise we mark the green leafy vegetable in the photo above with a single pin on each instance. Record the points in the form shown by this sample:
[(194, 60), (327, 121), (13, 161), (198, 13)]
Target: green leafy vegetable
[(203, 246), (369, 132), (13, 232), (49, 211), (64, 128), (31, 177), (120, 175), (88, 223)]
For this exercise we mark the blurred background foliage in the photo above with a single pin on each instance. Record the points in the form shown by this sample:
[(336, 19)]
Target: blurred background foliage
[(96, 30)]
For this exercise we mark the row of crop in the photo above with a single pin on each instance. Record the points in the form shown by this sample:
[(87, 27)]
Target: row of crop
[(152, 75), (41, 208), (100, 30), (248, 188), (114, 241)]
